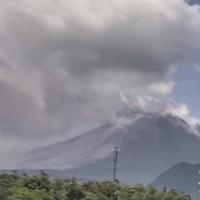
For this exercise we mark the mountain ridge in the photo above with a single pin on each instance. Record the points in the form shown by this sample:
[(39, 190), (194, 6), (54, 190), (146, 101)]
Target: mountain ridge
[(182, 176), (149, 144)]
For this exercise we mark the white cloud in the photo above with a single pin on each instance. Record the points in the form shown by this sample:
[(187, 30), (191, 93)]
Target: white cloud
[(162, 88), (147, 104)]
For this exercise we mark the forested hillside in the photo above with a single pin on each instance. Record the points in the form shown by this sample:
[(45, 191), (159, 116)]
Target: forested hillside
[(40, 187)]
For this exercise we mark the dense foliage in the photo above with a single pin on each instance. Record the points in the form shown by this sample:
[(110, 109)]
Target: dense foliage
[(40, 187)]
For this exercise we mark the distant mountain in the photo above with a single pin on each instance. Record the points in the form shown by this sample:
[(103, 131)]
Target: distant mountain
[(149, 144), (52, 173), (183, 176)]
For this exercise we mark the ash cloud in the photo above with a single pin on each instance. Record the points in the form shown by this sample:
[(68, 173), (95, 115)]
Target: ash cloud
[(64, 64)]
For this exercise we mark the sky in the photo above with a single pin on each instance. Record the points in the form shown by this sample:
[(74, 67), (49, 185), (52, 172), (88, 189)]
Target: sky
[(187, 83), (193, 2), (69, 66)]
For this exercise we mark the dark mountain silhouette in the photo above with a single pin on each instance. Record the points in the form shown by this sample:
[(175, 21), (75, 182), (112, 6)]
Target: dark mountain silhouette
[(183, 176)]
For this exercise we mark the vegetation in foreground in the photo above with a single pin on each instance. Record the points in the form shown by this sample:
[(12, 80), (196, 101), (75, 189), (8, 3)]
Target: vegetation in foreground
[(40, 187)]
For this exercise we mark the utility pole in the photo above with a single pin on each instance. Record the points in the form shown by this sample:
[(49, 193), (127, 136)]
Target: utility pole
[(115, 160)]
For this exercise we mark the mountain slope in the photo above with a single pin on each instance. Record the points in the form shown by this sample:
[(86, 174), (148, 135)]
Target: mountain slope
[(149, 144), (183, 176)]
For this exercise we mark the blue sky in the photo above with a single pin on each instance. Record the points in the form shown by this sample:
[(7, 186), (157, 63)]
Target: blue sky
[(195, 2), (187, 89)]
